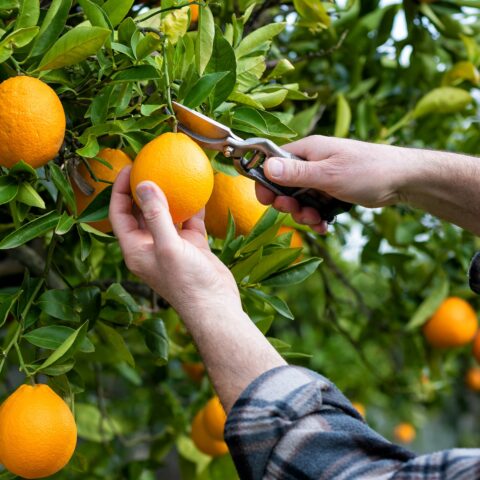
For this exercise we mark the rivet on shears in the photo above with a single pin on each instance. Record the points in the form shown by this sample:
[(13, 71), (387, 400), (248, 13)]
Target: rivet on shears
[(228, 151)]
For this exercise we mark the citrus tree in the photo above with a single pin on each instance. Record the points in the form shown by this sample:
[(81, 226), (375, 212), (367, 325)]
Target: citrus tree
[(101, 79)]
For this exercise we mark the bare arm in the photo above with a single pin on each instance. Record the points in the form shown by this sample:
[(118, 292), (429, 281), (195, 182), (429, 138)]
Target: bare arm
[(444, 184), (181, 268)]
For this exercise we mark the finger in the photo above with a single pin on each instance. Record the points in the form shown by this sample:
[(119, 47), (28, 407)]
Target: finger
[(196, 224), (155, 212), (307, 216), (264, 195), (321, 228), (286, 204), (295, 173), (120, 210), (315, 146)]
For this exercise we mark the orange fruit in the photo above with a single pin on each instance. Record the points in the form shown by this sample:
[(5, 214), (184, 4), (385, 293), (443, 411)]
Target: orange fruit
[(194, 13), (180, 168), (360, 408), (203, 441), (236, 194), (214, 418), (195, 370), (38, 434), (118, 160), (453, 324), (296, 241), (476, 347), (32, 122), (404, 433), (472, 378)]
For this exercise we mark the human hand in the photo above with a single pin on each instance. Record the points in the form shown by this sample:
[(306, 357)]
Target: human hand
[(356, 172), (176, 263)]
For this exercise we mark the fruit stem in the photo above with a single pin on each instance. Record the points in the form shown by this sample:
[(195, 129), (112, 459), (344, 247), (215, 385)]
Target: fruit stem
[(167, 85), (23, 367)]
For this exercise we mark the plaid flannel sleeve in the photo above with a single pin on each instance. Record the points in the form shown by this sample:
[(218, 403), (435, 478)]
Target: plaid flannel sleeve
[(291, 423)]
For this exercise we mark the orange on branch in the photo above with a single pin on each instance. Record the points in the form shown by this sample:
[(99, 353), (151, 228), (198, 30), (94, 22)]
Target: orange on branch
[(214, 418), (472, 378), (194, 370), (453, 324), (236, 194), (360, 408), (32, 122), (404, 433), (38, 433), (105, 175), (203, 441), (180, 168)]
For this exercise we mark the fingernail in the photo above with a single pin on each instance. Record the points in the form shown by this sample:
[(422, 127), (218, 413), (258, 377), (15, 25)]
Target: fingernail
[(144, 192), (275, 167)]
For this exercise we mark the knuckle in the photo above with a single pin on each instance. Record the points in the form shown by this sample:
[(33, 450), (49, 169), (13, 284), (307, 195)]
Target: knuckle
[(299, 169), (152, 214)]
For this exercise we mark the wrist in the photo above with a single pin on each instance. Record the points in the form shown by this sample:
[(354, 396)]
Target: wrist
[(205, 306)]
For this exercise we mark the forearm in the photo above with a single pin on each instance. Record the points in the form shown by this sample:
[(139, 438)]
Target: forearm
[(444, 184), (234, 351)]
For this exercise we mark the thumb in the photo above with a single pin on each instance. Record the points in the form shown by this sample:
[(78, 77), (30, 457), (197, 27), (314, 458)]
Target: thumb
[(155, 211), (294, 173)]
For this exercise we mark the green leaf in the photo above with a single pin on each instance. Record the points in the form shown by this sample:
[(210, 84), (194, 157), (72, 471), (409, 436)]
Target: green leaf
[(266, 221), (36, 228), (275, 302), (92, 426), (156, 338), (75, 46), (117, 10), (8, 189), (95, 14), (258, 123), (115, 341), (202, 89), (6, 305), (28, 14), (272, 263), (59, 368), (258, 38), (17, 39), (241, 269), (51, 337), (67, 348), (147, 45), (98, 208), (222, 60), (29, 196), (282, 67), (118, 294), (262, 239), (442, 100), (427, 308), (62, 183), (65, 224), (140, 73), (59, 304), (344, 117), (52, 26), (270, 99), (312, 11), (205, 38), (294, 274)]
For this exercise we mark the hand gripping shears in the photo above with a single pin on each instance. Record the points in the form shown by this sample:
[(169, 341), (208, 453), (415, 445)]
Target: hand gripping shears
[(248, 157)]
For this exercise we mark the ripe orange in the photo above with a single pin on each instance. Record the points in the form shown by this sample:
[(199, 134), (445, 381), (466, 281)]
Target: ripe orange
[(472, 378), (32, 122), (452, 325), (296, 241), (180, 168), (194, 13), (360, 408), (38, 434), (404, 433), (195, 370), (236, 194), (214, 418), (118, 160), (476, 347), (203, 441)]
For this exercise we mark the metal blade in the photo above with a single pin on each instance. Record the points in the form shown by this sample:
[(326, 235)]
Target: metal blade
[(200, 124)]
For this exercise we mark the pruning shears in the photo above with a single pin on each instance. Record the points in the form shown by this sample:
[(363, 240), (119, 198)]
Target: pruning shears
[(248, 157)]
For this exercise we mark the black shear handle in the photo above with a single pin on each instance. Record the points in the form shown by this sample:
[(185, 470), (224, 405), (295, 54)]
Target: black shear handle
[(327, 206)]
